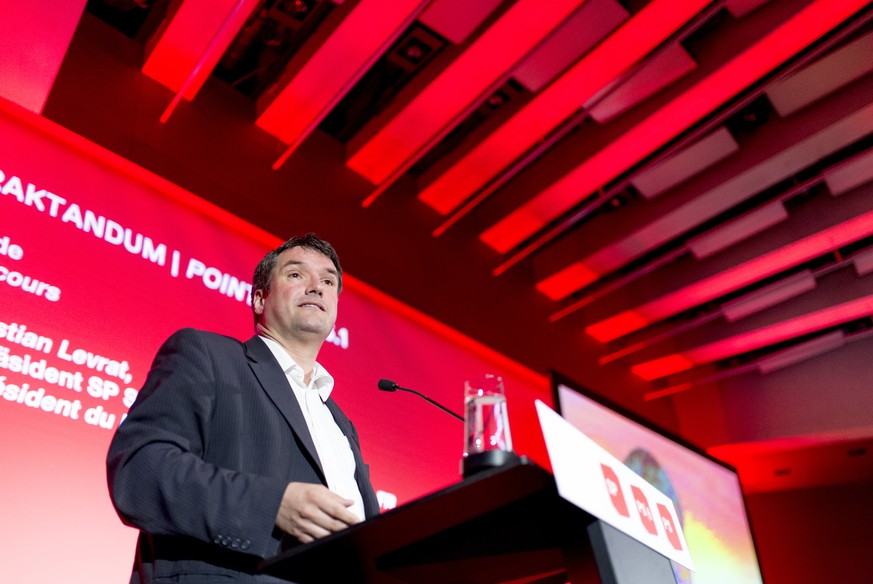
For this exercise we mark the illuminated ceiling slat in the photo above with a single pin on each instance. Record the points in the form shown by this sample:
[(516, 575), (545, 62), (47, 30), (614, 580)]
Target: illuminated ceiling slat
[(35, 39), (851, 174), (740, 187), (605, 64), (583, 31), (737, 230), (769, 296), (455, 20), (190, 46), (755, 339), (733, 279), (825, 76), (803, 351), (686, 163), (662, 69), (441, 105), (361, 38), (679, 115)]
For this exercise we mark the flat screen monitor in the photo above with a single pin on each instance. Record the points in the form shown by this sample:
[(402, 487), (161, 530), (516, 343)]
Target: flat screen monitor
[(706, 491)]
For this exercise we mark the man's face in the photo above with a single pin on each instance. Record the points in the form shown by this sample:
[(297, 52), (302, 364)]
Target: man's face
[(302, 300)]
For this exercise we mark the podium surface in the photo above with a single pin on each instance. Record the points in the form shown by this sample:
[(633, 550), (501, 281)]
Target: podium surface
[(500, 525)]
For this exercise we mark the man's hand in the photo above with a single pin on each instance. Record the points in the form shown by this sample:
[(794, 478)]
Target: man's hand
[(309, 511)]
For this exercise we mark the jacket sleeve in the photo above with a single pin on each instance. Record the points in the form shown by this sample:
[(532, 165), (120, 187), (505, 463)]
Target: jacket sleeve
[(159, 480)]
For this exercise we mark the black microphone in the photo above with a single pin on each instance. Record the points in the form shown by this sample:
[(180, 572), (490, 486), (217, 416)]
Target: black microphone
[(388, 385)]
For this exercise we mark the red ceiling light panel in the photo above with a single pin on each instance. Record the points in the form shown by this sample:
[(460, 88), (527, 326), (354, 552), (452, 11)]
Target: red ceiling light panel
[(440, 106), (361, 38), (183, 56), (679, 115), (755, 339), (604, 65), (35, 39), (733, 279)]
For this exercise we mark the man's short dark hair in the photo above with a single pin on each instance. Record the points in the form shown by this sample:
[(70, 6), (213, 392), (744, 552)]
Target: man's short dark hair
[(264, 269)]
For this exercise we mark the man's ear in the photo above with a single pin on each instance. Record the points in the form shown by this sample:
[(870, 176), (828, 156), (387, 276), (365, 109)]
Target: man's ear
[(258, 301)]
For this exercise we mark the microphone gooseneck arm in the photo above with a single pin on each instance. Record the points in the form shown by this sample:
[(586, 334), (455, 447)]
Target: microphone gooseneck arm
[(388, 385)]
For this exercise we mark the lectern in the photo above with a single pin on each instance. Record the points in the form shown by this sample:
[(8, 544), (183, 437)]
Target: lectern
[(506, 524)]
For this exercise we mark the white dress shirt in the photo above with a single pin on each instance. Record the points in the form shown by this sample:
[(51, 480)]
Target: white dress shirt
[(332, 446)]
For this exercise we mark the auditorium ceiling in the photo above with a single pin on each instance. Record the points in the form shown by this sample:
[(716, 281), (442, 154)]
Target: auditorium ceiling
[(668, 201)]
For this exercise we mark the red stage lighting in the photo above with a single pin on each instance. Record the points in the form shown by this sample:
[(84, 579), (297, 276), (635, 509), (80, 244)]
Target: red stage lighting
[(679, 115)]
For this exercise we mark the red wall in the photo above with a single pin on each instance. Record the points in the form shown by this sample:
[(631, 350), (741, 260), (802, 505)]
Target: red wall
[(815, 535)]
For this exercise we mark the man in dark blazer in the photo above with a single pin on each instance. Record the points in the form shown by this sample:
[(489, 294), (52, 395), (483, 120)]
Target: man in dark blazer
[(234, 451)]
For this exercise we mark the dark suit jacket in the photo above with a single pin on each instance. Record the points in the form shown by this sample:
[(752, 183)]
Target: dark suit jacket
[(204, 456)]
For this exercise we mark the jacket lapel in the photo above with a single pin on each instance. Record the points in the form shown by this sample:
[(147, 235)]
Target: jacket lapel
[(275, 384), (362, 475)]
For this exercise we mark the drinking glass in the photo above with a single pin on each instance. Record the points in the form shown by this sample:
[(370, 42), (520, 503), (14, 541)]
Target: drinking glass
[(486, 423)]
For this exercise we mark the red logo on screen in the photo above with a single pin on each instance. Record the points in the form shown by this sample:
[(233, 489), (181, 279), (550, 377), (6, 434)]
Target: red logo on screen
[(669, 527), (644, 511), (614, 488)]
